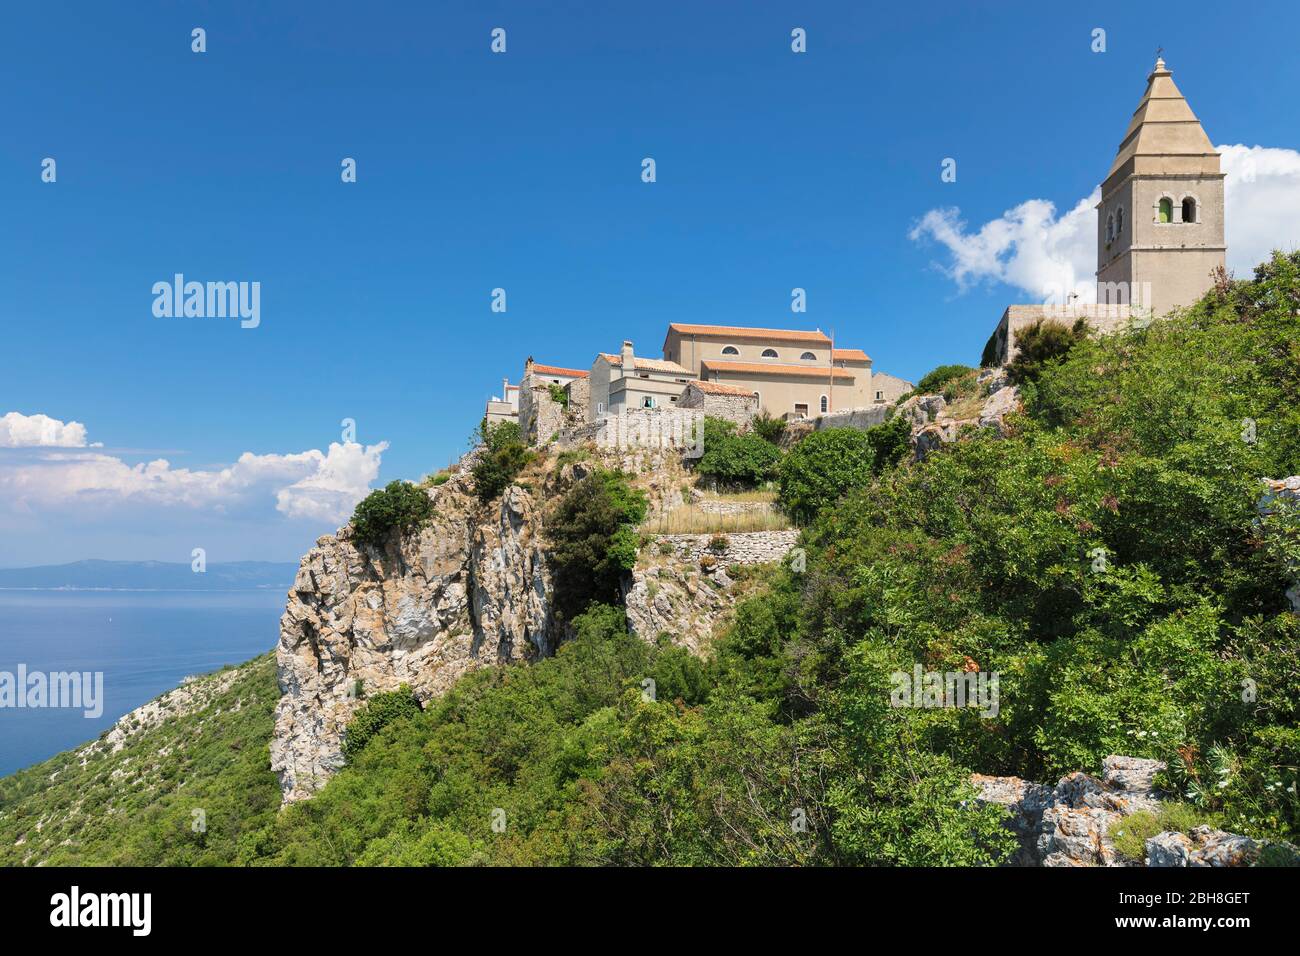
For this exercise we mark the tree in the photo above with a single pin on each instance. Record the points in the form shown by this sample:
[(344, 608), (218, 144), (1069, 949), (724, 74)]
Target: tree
[(1042, 343), (593, 541), (399, 506), (823, 466), (504, 456)]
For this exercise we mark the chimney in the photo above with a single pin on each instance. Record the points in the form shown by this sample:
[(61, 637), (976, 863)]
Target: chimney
[(528, 366), (626, 354)]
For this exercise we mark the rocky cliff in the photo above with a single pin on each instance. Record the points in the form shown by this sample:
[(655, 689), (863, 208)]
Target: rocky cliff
[(471, 589)]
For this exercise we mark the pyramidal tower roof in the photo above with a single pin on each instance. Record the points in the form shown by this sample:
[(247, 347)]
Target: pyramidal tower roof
[(1164, 136)]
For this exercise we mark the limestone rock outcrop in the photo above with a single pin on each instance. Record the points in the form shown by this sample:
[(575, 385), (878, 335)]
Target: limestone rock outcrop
[(1071, 824), (470, 589), (936, 421), (682, 589)]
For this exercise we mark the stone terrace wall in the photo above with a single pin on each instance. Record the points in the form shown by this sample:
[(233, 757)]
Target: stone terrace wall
[(859, 418), (743, 547)]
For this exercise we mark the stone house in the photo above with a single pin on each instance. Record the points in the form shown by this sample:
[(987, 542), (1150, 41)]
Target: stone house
[(735, 403), (540, 414), (887, 389), (626, 381)]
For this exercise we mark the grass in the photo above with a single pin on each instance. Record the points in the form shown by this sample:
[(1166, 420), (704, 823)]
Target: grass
[(1130, 833), (689, 519)]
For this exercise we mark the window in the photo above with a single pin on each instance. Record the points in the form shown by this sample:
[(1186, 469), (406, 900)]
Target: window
[(1189, 209), (769, 353), (800, 410), (880, 396), (807, 357), (1119, 221), (730, 350), (1166, 212), (758, 398), (648, 402), (1110, 227), (600, 408), (825, 404)]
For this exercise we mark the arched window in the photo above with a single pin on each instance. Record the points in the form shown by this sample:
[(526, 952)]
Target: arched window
[(769, 353), (758, 398), (730, 350), (1189, 209), (1166, 213), (807, 357), (1110, 227), (825, 404), (1119, 221)]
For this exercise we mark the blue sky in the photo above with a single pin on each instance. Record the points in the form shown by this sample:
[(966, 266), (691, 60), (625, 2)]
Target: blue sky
[(520, 171)]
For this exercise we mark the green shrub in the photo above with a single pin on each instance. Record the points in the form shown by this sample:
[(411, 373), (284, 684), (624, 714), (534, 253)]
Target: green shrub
[(504, 456), (933, 381), (821, 468), (768, 427), (719, 543), (558, 394), (593, 541), (378, 712), (1043, 343), (399, 506), (738, 461)]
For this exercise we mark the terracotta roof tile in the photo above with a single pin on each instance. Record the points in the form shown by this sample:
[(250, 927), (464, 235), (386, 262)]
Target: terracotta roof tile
[(851, 355), (763, 368), (560, 371), (744, 332), (646, 365), (717, 388)]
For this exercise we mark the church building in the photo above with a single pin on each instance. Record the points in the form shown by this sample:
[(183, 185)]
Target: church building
[(1160, 230)]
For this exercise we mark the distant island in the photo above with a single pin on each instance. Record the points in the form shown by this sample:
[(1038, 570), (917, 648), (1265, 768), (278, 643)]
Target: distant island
[(152, 576)]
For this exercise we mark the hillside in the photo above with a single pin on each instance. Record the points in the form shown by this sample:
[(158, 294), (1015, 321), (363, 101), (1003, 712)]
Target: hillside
[(129, 798), (1110, 552)]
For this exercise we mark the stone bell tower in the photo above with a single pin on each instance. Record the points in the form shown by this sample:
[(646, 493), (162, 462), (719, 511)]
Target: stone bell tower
[(1160, 219)]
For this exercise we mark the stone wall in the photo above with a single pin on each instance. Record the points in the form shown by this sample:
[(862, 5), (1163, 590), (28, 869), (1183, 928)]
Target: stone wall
[(738, 409), (678, 428), (540, 415), (743, 547), (859, 418), (579, 410)]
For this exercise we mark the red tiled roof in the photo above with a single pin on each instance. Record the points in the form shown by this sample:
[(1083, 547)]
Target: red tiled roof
[(558, 370), (646, 365), (717, 388), (743, 332), (851, 355), (789, 371)]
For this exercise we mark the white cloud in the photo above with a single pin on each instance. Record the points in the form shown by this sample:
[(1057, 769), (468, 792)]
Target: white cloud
[(312, 485), (23, 431), (1033, 249)]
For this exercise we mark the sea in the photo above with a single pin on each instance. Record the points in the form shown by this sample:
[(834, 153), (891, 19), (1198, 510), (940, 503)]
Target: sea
[(143, 642)]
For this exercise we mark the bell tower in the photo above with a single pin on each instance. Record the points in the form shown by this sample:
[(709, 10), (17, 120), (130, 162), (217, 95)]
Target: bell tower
[(1160, 219)]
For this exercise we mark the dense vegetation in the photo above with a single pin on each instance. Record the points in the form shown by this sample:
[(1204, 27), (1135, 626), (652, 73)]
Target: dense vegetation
[(593, 541), (504, 455), (1106, 560), (399, 506), (737, 461), (1042, 342)]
